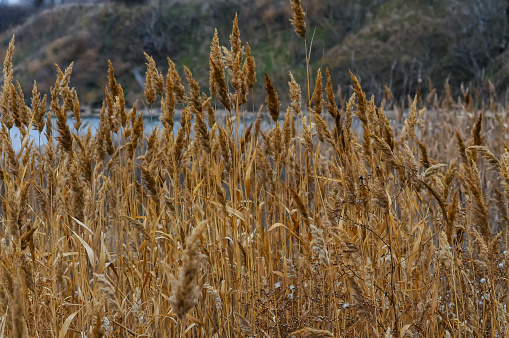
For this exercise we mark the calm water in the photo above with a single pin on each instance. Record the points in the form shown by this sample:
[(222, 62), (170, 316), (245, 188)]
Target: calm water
[(149, 125), (93, 122)]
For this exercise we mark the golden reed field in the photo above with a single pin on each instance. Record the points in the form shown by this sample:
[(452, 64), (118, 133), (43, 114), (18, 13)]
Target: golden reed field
[(332, 221)]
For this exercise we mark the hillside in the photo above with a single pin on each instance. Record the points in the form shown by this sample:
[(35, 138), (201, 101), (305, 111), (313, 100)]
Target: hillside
[(384, 42)]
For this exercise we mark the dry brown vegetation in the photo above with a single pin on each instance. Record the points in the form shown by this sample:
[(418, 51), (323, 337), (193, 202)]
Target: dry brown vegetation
[(311, 228)]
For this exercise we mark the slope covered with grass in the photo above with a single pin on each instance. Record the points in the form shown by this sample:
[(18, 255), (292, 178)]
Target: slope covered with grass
[(385, 42)]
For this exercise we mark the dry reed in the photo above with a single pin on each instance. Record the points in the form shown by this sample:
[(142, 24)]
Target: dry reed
[(318, 226)]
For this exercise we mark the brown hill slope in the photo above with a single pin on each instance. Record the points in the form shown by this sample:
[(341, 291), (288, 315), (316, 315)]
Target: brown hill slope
[(384, 42)]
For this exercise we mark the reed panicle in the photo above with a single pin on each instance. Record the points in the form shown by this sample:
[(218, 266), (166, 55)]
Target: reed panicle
[(298, 20), (186, 289), (5, 98), (323, 132), (332, 108), (150, 86), (216, 58), (177, 82), (476, 131), (194, 98), (272, 100), (312, 333), (65, 138), (224, 142), (214, 294), (76, 110), (249, 69), (38, 108), (218, 85), (235, 43), (488, 155), (288, 126), (207, 106), (362, 104), (480, 209), (462, 149), (317, 93), (295, 95), (200, 128)]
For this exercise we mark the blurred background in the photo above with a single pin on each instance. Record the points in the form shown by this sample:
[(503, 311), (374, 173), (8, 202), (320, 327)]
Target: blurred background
[(398, 44)]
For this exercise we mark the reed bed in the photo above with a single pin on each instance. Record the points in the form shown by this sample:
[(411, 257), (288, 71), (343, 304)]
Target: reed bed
[(310, 228)]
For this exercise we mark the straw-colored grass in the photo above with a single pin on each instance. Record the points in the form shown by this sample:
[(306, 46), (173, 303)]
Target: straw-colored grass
[(310, 228)]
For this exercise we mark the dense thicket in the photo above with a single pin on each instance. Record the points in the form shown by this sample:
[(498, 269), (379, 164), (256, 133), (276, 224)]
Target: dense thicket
[(334, 215)]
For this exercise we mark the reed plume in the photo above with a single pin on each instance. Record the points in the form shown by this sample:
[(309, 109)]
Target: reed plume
[(186, 289), (272, 100), (298, 20)]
